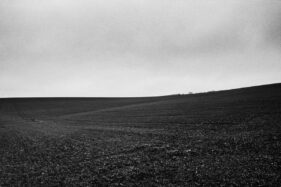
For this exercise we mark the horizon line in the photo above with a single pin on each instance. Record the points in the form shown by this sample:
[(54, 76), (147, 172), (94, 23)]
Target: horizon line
[(120, 97)]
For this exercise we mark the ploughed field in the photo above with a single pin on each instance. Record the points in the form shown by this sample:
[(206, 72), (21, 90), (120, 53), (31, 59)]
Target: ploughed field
[(220, 138)]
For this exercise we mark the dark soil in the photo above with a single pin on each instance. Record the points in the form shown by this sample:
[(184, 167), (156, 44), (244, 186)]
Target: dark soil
[(226, 138)]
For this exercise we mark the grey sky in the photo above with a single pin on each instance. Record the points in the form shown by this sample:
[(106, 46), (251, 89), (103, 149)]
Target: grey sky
[(137, 47)]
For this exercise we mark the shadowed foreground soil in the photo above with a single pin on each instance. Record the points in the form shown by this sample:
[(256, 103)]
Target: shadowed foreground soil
[(214, 139)]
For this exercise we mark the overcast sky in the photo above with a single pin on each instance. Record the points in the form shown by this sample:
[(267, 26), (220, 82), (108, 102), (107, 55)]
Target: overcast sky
[(137, 47)]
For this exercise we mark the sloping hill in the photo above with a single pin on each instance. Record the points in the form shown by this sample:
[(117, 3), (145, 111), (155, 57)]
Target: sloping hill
[(230, 137)]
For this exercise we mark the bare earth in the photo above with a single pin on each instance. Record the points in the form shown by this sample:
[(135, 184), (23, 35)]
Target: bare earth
[(212, 139)]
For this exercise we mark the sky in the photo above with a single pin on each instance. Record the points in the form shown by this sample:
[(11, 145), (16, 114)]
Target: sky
[(120, 48)]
